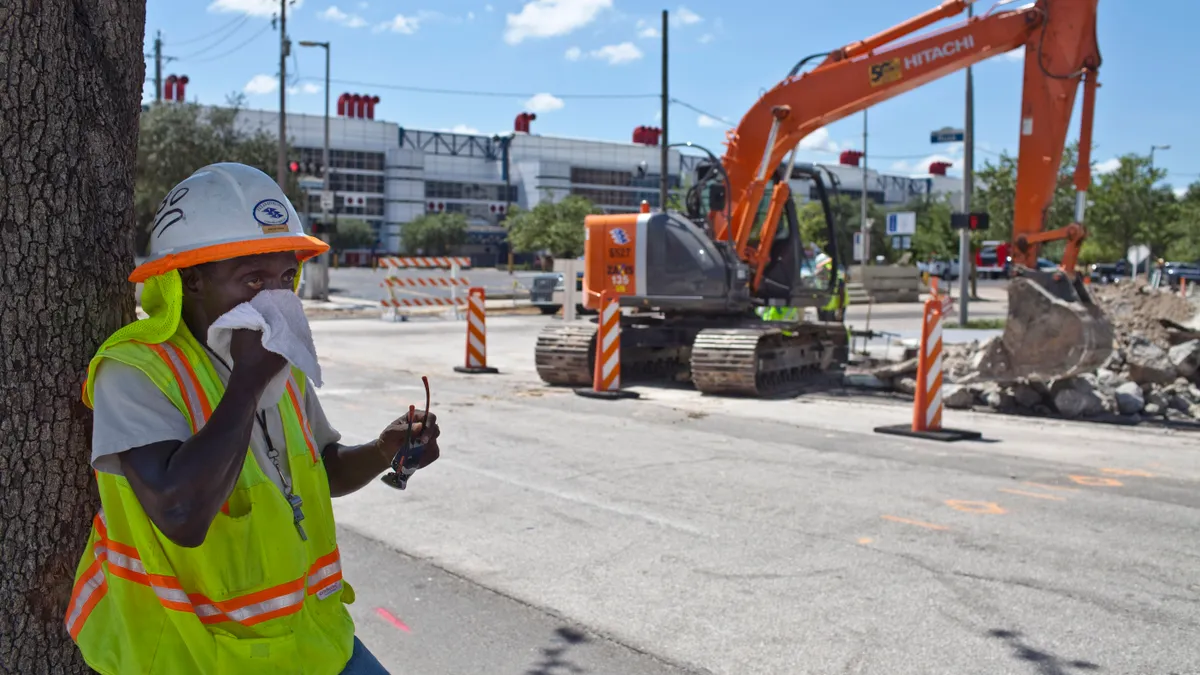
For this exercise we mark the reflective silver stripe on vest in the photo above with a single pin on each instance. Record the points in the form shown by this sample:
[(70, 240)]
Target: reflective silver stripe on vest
[(250, 611), (89, 587), (324, 572), (190, 396)]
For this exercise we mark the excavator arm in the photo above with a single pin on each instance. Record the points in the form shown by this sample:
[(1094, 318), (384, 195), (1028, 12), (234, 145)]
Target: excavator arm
[(1053, 329), (1059, 37)]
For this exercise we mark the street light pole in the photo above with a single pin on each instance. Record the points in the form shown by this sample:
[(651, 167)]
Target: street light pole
[(321, 269), (965, 263), (863, 225)]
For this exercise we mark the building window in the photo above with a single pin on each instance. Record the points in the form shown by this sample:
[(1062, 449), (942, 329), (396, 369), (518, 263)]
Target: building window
[(484, 192)]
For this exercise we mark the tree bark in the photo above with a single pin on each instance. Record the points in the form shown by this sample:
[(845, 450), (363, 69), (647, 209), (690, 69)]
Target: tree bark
[(71, 76)]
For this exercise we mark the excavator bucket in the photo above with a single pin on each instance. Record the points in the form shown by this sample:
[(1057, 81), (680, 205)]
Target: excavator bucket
[(1054, 330)]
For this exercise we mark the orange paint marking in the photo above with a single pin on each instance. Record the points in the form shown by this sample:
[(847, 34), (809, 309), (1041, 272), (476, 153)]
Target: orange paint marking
[(1128, 472), (864, 540), (1051, 487), (918, 523), (1033, 494), (975, 507), (1096, 481)]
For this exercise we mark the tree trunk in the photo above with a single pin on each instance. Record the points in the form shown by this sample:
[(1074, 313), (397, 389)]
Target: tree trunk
[(70, 96)]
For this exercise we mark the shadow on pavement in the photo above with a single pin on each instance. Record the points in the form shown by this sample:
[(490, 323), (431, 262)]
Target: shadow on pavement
[(1044, 663), (554, 660)]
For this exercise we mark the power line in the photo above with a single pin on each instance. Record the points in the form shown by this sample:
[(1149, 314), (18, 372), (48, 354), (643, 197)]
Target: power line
[(205, 36), (235, 49), (227, 35), (709, 115), (478, 93)]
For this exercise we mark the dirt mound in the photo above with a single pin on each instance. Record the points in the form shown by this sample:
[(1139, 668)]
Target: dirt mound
[(1135, 310)]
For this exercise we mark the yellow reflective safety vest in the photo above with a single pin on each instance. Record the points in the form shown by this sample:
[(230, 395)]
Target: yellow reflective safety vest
[(254, 597)]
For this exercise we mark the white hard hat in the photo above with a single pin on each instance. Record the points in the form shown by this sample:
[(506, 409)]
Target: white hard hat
[(225, 210)]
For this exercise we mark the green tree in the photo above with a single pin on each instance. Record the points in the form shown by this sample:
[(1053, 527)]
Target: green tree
[(69, 119), (177, 138), (435, 233), (554, 227), (352, 233), (1128, 208)]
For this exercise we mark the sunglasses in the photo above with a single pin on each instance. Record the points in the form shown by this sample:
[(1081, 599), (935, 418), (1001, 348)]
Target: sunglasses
[(402, 467)]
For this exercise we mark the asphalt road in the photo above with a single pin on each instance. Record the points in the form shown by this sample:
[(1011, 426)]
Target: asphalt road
[(745, 536)]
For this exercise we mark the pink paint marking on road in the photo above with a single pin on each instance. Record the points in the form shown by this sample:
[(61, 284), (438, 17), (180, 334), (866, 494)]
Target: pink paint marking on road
[(390, 618)]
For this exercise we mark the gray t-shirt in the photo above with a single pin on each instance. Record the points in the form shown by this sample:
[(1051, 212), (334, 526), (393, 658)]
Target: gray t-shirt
[(131, 411)]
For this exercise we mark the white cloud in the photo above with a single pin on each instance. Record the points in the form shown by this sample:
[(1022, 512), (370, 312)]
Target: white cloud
[(705, 121), (310, 88), (401, 24), (261, 84), (1180, 192), (1015, 55), (470, 16), (625, 52), (574, 53), (335, 15), (686, 16), (542, 103), (645, 30), (362, 5), (489, 8), (1108, 166), (549, 18), (819, 141), (462, 129), (264, 8)]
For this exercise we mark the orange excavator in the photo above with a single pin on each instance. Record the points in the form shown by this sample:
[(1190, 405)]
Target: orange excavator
[(690, 284)]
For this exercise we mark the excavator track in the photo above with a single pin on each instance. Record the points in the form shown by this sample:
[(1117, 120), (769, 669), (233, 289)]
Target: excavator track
[(566, 353), (765, 361)]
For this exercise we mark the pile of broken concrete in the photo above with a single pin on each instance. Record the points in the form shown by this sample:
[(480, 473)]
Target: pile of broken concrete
[(1153, 373)]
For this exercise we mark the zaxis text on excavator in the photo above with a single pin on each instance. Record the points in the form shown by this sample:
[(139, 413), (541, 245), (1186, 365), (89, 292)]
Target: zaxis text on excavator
[(689, 285)]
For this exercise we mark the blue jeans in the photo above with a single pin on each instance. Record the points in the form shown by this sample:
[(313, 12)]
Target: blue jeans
[(363, 662)]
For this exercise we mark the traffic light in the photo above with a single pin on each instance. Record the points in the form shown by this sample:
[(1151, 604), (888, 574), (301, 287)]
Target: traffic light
[(969, 221), (294, 167)]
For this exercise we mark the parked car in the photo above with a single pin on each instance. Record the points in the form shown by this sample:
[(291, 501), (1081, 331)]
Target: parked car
[(546, 293), (1174, 271)]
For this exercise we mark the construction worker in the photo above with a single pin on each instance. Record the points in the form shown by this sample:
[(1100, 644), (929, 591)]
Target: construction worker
[(215, 549), (835, 309)]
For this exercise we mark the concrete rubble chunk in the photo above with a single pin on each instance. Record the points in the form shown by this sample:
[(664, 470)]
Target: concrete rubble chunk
[(1075, 397), (906, 385), (957, 396), (1149, 363), (1186, 357), (1130, 399), (1026, 395)]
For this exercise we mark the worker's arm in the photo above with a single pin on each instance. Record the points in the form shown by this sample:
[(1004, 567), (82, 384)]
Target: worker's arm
[(350, 467), (182, 484)]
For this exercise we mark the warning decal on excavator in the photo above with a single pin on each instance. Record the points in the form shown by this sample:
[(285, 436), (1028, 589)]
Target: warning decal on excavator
[(619, 265), (885, 72)]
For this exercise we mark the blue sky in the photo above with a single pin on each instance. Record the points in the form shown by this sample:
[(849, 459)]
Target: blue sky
[(535, 54)]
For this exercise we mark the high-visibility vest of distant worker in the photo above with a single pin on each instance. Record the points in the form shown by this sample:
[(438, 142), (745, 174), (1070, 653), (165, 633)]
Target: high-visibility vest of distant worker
[(834, 310)]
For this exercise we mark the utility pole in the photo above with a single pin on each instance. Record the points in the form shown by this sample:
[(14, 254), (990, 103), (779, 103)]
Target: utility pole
[(281, 169), (320, 290), (863, 226), (966, 265), (158, 67), (664, 178)]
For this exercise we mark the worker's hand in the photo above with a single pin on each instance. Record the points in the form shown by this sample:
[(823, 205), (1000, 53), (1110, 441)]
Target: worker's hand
[(252, 360), (423, 431)]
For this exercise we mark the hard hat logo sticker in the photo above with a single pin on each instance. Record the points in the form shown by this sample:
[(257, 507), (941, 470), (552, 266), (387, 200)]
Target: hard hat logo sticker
[(272, 215)]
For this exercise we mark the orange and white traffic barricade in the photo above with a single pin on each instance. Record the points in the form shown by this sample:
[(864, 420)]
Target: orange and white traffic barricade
[(606, 376), (408, 292), (476, 348), (927, 403)]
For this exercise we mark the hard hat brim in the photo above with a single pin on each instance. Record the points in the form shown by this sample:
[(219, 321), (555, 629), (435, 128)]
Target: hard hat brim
[(303, 245)]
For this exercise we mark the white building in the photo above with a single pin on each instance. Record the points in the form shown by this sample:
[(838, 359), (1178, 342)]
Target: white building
[(388, 175)]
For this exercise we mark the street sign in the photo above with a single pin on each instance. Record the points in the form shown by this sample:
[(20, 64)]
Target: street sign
[(1136, 255), (858, 246), (901, 242), (310, 184), (326, 201), (947, 135), (902, 222)]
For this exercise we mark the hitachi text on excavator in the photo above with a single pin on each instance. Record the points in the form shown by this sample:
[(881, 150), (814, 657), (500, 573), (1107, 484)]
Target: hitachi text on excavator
[(690, 284)]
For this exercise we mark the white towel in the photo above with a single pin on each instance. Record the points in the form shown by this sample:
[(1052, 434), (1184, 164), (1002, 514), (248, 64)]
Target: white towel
[(285, 331)]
